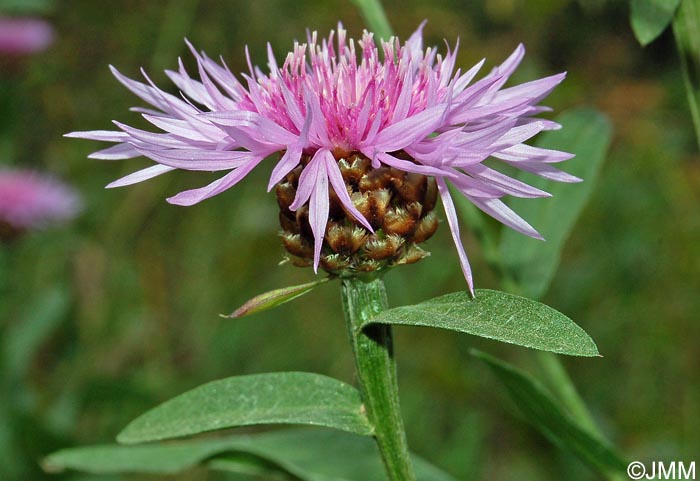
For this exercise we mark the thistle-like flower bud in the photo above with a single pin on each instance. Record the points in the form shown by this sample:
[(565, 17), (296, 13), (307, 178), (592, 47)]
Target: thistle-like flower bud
[(398, 205), (359, 125)]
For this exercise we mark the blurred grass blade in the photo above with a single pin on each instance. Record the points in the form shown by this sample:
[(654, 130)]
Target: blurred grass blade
[(686, 28), (649, 18), (178, 17), (541, 410), (375, 16), (531, 263), (298, 454), (26, 7), (273, 398), (23, 339), (270, 299), (499, 316)]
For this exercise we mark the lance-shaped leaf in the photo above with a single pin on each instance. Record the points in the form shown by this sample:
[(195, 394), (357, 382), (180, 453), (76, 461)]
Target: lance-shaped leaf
[(540, 409), (298, 454), (270, 299), (649, 18), (530, 262), (274, 398), (496, 315), (152, 458), (323, 455)]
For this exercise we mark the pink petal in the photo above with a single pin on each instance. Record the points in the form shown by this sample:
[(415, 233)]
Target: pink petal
[(116, 152), (467, 77), (454, 229), (546, 171), (307, 181), (338, 184), (534, 90), (519, 134), (140, 176), (318, 211), (184, 128), (158, 140), (476, 113), (506, 184), (203, 160), (409, 166), (523, 152), (414, 44), (287, 163), (504, 214), (410, 130), (194, 196), (269, 130), (472, 187), (152, 95), (101, 135)]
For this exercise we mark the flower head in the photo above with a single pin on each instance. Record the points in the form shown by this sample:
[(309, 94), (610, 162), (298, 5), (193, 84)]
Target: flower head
[(394, 108), (22, 36), (29, 200)]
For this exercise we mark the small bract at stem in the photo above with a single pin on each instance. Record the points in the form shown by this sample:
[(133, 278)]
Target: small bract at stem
[(376, 372)]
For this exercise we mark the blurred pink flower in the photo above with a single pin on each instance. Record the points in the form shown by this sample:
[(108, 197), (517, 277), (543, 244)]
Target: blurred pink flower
[(29, 200), (400, 106), (22, 36)]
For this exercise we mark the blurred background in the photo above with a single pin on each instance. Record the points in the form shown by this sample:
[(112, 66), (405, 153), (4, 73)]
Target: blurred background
[(117, 311)]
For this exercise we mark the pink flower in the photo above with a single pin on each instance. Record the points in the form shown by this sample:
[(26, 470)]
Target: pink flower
[(325, 103), (21, 36), (29, 200)]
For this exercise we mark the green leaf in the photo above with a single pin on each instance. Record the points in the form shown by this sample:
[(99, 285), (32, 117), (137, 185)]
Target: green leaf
[(322, 455), (532, 263), (268, 300), (305, 454), (541, 410), (496, 315), (250, 465), (274, 398), (649, 18), (153, 458), (686, 28)]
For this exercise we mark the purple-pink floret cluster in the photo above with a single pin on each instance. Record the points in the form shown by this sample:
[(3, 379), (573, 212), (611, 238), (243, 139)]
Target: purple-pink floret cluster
[(23, 36), (29, 200), (337, 96)]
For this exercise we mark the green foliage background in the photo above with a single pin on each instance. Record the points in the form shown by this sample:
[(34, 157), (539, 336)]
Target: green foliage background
[(119, 311)]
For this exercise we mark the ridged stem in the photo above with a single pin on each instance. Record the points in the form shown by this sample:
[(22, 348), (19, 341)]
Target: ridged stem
[(376, 372)]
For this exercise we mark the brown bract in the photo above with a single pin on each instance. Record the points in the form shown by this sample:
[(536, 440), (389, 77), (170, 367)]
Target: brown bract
[(398, 205)]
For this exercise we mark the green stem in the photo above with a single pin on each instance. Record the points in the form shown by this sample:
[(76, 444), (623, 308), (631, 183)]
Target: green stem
[(376, 372), (374, 15)]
